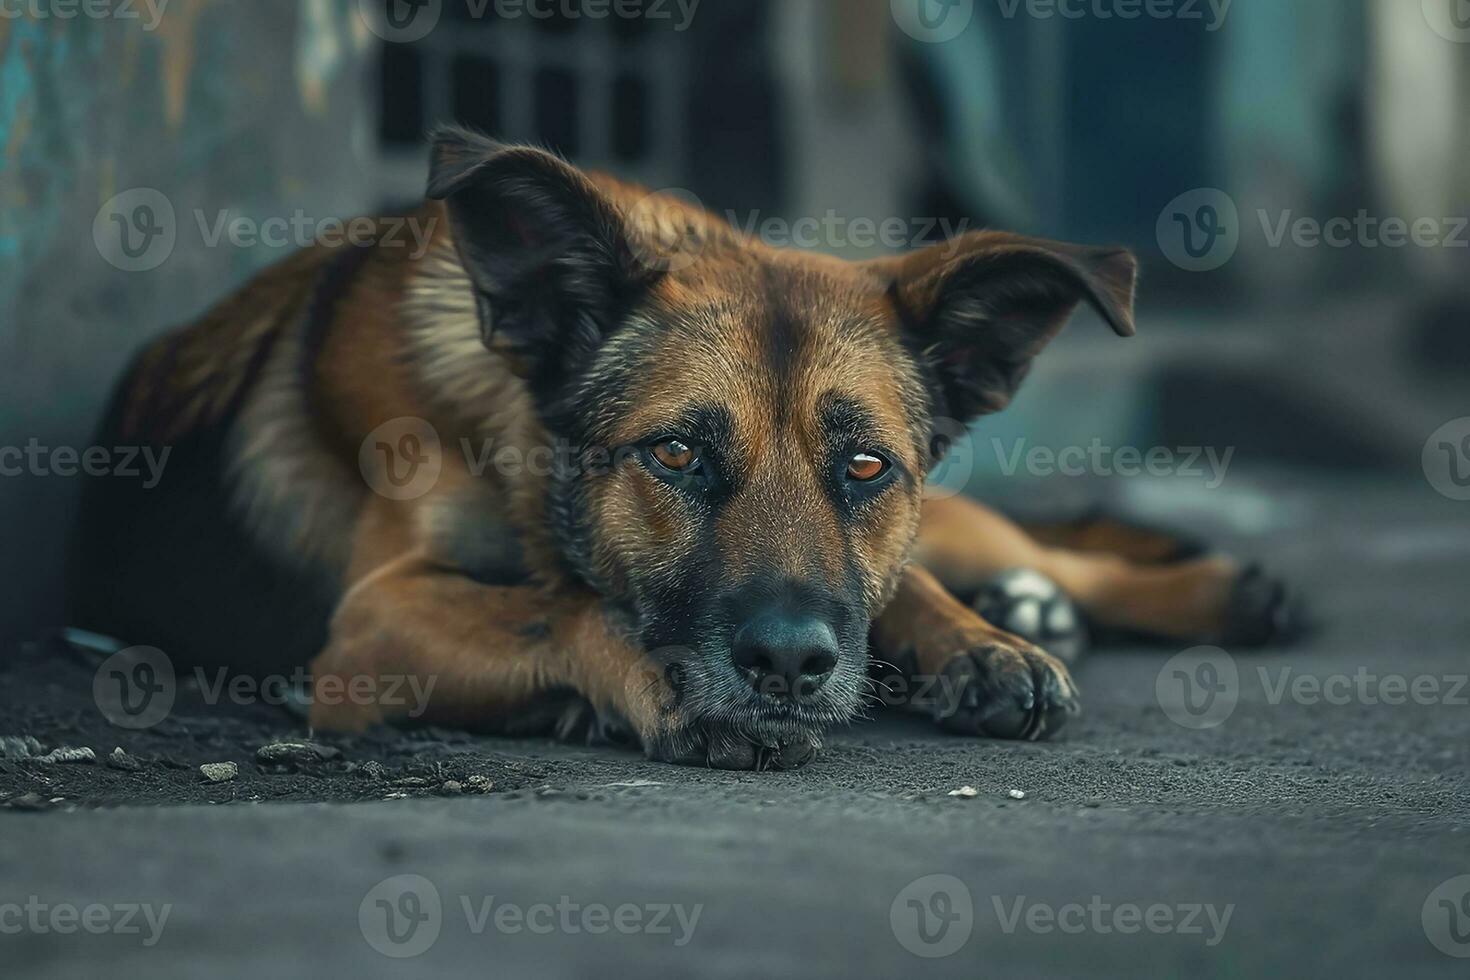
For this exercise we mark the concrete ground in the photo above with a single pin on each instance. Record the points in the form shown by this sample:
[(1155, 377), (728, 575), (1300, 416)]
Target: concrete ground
[(1313, 829)]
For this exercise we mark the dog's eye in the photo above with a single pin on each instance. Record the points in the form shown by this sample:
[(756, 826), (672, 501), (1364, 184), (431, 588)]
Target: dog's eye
[(675, 456), (866, 467)]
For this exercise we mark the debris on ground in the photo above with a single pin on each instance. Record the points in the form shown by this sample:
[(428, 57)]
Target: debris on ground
[(965, 791), (373, 770), (296, 754), (19, 747), (31, 801), (67, 754), (121, 760), (219, 772)]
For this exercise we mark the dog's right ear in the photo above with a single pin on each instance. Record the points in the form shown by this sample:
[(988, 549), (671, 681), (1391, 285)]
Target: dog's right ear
[(545, 251)]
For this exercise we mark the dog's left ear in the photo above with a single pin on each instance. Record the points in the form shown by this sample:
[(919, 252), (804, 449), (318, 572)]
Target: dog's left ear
[(978, 309), (545, 250)]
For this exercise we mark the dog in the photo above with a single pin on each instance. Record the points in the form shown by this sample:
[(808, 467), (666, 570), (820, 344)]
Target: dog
[(730, 526)]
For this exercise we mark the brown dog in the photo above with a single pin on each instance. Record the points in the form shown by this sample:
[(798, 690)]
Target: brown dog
[(730, 506)]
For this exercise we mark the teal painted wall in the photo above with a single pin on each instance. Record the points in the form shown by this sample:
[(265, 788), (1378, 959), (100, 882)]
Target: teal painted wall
[(203, 110)]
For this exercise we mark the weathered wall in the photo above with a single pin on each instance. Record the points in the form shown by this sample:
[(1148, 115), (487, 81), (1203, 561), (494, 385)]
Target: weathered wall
[(195, 112)]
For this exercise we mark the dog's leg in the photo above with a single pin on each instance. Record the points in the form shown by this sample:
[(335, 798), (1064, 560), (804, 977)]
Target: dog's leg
[(460, 653), (1207, 598), (973, 678), (475, 654)]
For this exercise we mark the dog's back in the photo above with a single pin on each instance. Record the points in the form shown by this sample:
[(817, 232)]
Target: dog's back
[(173, 563)]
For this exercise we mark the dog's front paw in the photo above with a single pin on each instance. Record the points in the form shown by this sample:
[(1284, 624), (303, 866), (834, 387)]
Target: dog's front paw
[(722, 747), (1005, 690)]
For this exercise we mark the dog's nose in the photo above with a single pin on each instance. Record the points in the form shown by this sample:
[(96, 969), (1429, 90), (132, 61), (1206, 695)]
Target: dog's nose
[(786, 656)]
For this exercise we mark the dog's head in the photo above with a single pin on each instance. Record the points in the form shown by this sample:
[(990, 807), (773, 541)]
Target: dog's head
[(755, 424)]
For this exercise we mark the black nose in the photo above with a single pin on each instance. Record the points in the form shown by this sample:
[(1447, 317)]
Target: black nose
[(786, 656)]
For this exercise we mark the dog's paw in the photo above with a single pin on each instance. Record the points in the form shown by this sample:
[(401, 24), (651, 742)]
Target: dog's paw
[(1261, 610), (719, 747), (1001, 690), (1030, 605)]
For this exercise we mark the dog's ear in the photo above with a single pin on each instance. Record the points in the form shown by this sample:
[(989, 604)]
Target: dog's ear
[(545, 250), (979, 308)]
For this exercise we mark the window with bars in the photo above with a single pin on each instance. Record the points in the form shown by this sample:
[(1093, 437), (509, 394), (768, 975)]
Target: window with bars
[(640, 97), (605, 91)]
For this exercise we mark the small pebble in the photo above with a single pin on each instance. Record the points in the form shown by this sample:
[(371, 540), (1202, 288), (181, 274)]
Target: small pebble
[(479, 784), (219, 772), (374, 770), (452, 786), (121, 760), (1016, 794), (965, 791), (396, 796)]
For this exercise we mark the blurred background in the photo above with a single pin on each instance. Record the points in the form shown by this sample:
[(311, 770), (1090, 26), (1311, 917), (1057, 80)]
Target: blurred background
[(141, 141)]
